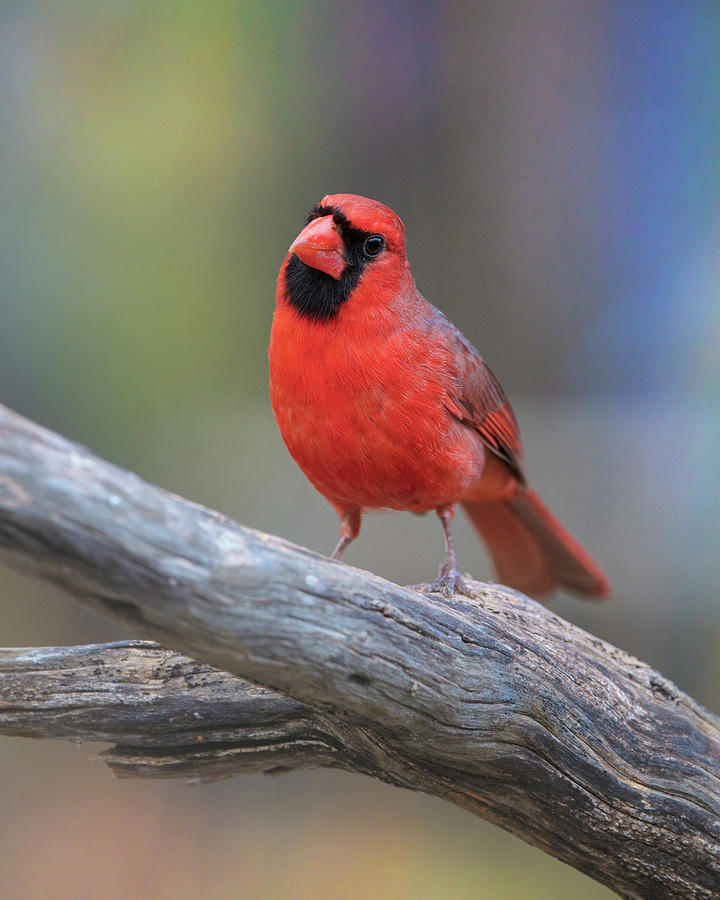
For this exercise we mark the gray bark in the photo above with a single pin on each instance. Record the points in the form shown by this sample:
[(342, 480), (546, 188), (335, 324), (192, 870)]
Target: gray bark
[(493, 702), (169, 716)]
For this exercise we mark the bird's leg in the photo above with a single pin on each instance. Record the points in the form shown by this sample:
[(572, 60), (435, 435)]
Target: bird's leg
[(449, 582), (340, 546), (349, 529)]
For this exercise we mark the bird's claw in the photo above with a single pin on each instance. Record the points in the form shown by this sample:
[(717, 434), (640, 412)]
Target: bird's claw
[(449, 583)]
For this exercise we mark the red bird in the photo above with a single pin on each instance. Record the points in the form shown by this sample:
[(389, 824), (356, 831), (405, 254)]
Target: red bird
[(384, 404)]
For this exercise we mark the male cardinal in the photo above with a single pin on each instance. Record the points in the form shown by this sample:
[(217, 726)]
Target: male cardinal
[(383, 403)]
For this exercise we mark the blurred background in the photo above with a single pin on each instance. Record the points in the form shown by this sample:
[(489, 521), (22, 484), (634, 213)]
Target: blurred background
[(556, 166)]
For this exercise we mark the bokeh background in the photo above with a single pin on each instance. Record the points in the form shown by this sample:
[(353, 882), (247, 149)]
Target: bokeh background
[(556, 165)]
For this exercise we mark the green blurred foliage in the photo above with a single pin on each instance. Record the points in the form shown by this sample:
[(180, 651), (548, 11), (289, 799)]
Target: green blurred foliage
[(154, 189)]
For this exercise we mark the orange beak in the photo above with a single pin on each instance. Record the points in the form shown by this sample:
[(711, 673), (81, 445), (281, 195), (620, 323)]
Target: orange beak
[(319, 245)]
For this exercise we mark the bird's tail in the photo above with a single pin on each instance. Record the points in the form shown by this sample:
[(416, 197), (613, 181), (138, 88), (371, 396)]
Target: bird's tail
[(530, 549)]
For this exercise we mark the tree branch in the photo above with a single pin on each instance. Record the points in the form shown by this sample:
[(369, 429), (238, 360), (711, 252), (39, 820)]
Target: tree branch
[(493, 703), (170, 716)]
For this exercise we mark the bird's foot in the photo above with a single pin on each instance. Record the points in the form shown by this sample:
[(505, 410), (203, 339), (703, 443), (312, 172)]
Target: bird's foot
[(450, 582)]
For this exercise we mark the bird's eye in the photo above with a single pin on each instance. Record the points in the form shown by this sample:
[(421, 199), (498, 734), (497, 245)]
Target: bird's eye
[(373, 245)]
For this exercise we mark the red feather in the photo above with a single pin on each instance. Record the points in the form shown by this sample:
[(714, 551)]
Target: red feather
[(482, 404), (384, 403)]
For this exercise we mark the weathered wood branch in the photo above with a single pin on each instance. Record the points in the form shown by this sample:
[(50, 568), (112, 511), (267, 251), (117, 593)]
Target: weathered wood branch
[(493, 703), (168, 715)]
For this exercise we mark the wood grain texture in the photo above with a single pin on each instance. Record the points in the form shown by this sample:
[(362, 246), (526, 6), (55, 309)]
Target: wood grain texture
[(168, 715), (493, 703)]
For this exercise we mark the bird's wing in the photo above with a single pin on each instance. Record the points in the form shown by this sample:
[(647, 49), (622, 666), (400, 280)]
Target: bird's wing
[(480, 402)]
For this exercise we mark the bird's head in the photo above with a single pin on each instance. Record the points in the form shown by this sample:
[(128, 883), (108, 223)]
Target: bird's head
[(350, 245)]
